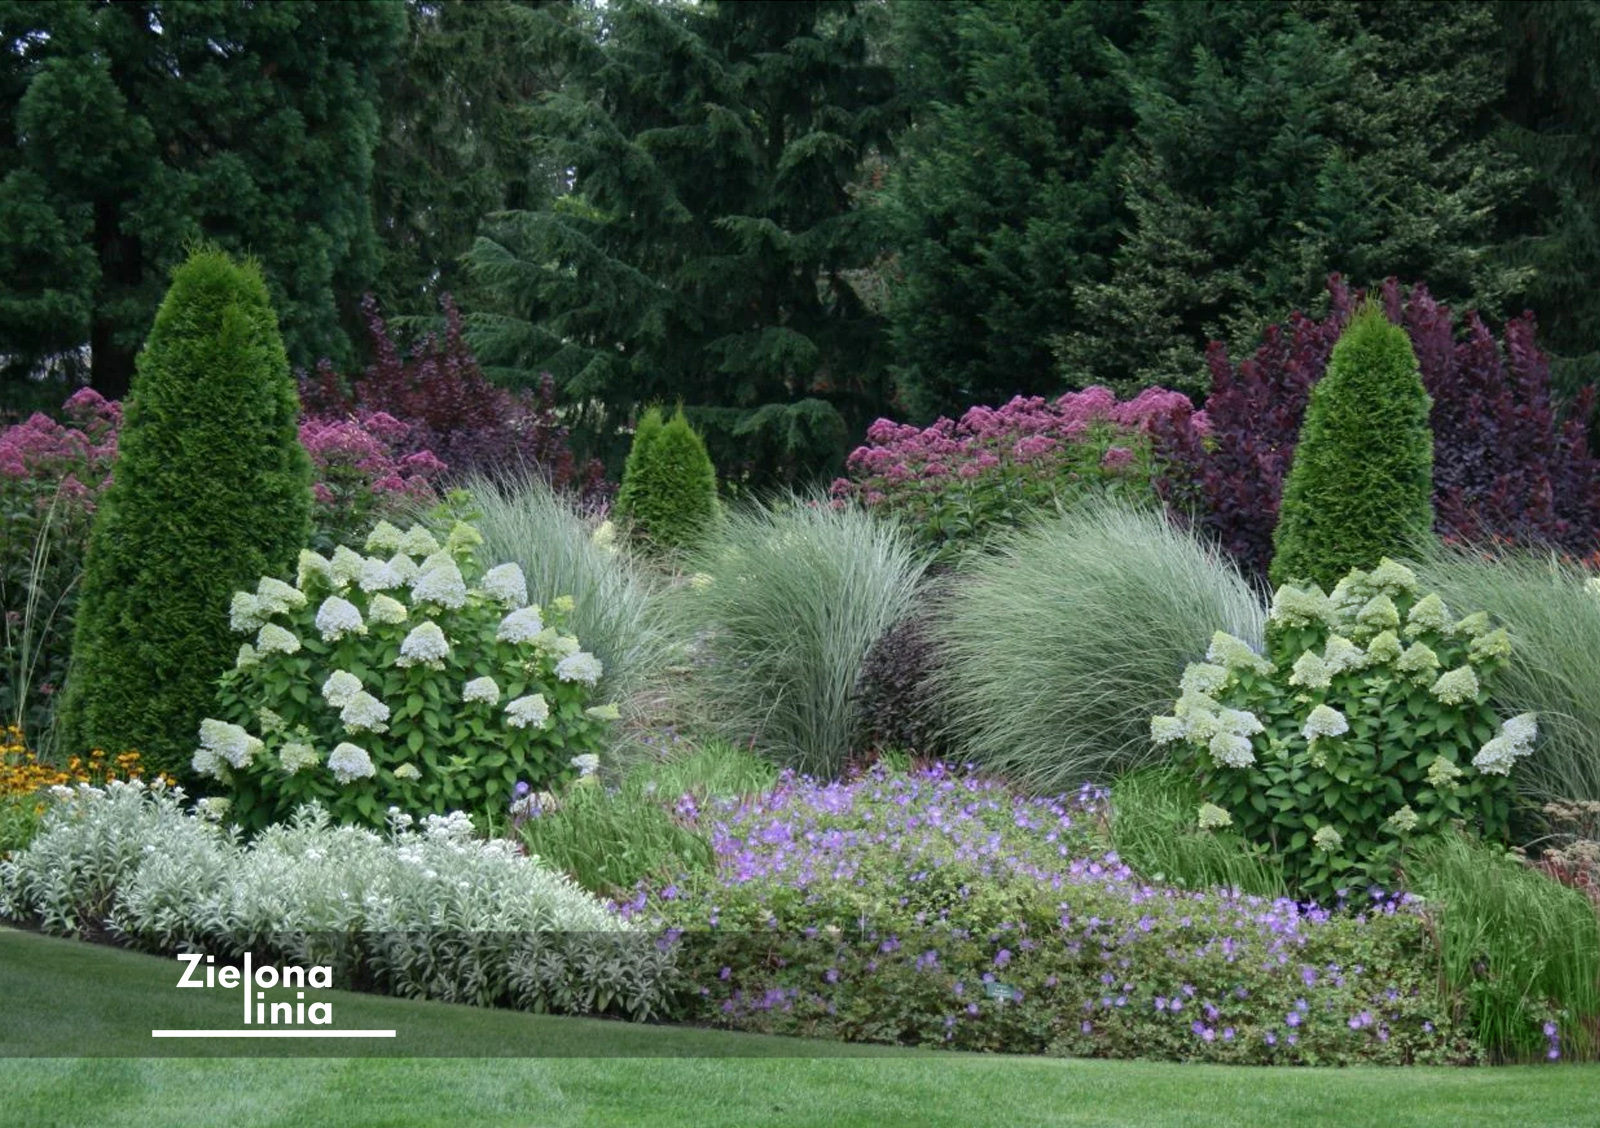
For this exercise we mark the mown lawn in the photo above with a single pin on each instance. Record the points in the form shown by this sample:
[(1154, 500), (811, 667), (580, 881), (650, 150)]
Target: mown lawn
[(59, 997)]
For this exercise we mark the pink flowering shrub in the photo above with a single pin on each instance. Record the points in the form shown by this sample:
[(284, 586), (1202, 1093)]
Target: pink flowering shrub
[(954, 483), (361, 476)]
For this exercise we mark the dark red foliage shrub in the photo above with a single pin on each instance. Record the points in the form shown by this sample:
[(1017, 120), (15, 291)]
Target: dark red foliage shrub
[(454, 410), (896, 707), (1506, 468)]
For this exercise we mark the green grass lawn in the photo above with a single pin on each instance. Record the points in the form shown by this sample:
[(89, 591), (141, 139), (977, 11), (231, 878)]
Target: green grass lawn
[(59, 997)]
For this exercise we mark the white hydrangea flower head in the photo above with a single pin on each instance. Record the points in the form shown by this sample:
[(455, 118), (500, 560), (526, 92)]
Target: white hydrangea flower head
[(1235, 654), (213, 808), (345, 567), (531, 711), (587, 763), (387, 610), (408, 771), (229, 742), (1349, 593), (377, 575), (1340, 654), (1203, 677), (1240, 722), (580, 667), (247, 657), (1231, 751), (425, 644), (1165, 730), (1311, 671), (1522, 730), (553, 642), (244, 613), (273, 639), (1324, 720), (522, 625), (463, 538), (481, 689), (1496, 757), (442, 585), (1473, 625), (404, 567), (383, 538), (1327, 839), (340, 687), (338, 617), (270, 722), (1384, 648), (1403, 821), (312, 567), (1443, 774), (1379, 614), (1393, 577), (506, 585), (1213, 817), (1418, 659), (1300, 607), (350, 762), (417, 541), (364, 713), (297, 755), (1200, 726), (563, 604), (278, 598), (1455, 686), (1428, 614), (610, 711), (1492, 647)]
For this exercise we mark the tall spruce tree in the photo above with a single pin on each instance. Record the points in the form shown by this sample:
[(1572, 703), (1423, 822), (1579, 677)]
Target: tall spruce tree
[(1278, 141), (704, 247), (1006, 193), (131, 129)]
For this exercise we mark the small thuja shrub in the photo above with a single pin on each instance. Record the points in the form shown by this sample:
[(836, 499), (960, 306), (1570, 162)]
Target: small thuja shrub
[(954, 483), (408, 678), (210, 489), (1361, 481), (668, 498), (1365, 725)]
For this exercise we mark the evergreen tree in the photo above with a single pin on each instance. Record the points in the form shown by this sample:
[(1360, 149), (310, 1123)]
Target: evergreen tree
[(210, 491), (668, 499), (1278, 141), (132, 129), (1360, 485), (1006, 192), (704, 248), (455, 144)]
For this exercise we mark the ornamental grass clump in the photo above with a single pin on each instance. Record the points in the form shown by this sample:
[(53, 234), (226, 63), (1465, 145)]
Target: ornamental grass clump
[(410, 677), (939, 909), (787, 603), (1365, 725), (1055, 650)]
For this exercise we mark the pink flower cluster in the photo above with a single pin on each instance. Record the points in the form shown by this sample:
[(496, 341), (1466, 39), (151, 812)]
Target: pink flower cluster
[(60, 460), (359, 449)]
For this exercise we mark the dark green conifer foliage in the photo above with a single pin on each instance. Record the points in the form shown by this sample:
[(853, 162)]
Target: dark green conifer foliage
[(1361, 484), (668, 499), (211, 490)]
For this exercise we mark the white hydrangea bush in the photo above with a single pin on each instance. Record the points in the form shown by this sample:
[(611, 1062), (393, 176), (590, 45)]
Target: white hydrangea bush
[(410, 676), (422, 909), (1367, 721)]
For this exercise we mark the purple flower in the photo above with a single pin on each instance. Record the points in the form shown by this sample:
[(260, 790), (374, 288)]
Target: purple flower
[(1292, 1019), (1002, 957)]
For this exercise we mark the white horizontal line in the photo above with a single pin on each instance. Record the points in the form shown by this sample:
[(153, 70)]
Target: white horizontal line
[(272, 1033)]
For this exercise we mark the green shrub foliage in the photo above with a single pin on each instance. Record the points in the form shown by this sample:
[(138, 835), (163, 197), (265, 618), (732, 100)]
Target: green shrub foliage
[(210, 489), (668, 497), (1361, 483), (1366, 725), (407, 678)]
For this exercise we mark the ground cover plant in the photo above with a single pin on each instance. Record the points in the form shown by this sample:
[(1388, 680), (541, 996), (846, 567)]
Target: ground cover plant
[(1365, 724), (414, 678), (934, 908), (1051, 647), (785, 604), (956, 484), (210, 489)]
